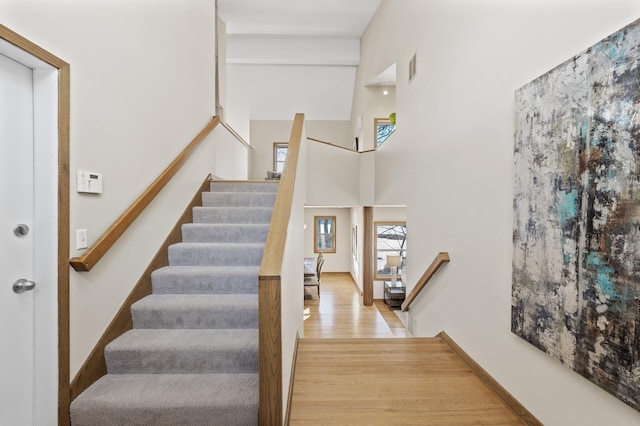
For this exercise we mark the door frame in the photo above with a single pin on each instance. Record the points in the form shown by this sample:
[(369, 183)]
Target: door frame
[(63, 111)]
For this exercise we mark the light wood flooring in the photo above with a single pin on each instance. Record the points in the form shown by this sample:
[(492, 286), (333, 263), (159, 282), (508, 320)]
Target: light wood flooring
[(351, 371), (340, 313)]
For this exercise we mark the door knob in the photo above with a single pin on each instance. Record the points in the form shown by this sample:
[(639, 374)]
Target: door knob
[(23, 285), (21, 230)]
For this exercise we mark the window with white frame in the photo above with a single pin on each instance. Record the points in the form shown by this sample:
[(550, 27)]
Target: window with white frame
[(279, 156), (390, 238)]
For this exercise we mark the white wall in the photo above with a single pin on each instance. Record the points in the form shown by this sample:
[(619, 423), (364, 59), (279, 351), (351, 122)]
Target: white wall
[(292, 292), (454, 159), (264, 133), (357, 219), (389, 161), (273, 77), (293, 50), (277, 92), (221, 31), (337, 132), (139, 94), (372, 104), (334, 176), (230, 156), (340, 261)]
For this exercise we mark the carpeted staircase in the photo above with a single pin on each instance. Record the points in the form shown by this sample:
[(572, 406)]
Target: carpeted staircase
[(192, 356)]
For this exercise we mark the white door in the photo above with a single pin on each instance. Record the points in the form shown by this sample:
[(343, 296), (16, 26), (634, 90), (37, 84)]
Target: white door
[(16, 248)]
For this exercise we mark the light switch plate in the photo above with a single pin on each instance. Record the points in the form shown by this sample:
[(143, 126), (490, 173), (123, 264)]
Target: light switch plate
[(82, 239)]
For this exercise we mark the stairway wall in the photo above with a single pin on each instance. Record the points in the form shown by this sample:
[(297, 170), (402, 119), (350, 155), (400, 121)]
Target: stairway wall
[(194, 342), (451, 163), (292, 293), (137, 98)]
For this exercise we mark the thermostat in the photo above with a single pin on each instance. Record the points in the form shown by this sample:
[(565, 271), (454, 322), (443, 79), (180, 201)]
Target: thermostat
[(89, 182)]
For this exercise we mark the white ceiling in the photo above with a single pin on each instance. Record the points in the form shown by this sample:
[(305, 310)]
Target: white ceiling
[(342, 18)]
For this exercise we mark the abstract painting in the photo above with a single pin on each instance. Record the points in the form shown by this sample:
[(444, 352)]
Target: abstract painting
[(576, 238)]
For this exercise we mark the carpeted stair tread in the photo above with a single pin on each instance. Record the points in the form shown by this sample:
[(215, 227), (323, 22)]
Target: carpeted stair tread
[(212, 254), (192, 356), (188, 311), (183, 351), (238, 199), (232, 214), (205, 279), (236, 186), (217, 233), (169, 400)]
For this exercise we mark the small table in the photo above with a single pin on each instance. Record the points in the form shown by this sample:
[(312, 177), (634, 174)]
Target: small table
[(309, 266), (394, 294)]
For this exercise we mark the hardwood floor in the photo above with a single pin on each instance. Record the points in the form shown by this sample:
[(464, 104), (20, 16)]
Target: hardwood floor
[(389, 382), (397, 327), (340, 312), (350, 370)]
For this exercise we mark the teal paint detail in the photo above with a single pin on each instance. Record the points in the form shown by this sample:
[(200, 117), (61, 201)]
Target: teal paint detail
[(614, 50), (603, 275), (567, 206), (584, 128)]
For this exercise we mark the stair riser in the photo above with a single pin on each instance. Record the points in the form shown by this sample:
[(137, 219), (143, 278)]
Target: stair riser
[(244, 186), (167, 416), (230, 317), (200, 361), (193, 255), (238, 199), (205, 285), (169, 400), (250, 215), (194, 280), (212, 233)]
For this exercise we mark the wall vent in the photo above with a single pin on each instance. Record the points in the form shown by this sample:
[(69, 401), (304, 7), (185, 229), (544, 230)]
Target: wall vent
[(412, 68)]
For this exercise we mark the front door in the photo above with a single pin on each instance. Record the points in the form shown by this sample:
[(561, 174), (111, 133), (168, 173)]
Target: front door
[(16, 243)]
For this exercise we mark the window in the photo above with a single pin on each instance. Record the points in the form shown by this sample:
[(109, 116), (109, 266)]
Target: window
[(383, 129), (391, 238), (279, 156), (324, 239)]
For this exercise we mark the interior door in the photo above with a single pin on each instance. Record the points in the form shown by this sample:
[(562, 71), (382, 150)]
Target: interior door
[(16, 243)]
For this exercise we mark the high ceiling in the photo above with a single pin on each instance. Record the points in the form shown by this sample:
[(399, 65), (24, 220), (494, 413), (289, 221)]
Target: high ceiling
[(338, 18)]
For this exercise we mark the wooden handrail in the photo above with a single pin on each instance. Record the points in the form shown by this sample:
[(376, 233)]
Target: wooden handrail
[(331, 144), (271, 265), (98, 249), (236, 135), (441, 259), (269, 288)]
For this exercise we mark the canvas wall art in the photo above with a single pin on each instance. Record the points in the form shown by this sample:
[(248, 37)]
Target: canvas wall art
[(576, 259)]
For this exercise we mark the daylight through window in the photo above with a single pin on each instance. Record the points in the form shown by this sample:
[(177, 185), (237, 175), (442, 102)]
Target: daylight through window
[(279, 156), (325, 234), (391, 238)]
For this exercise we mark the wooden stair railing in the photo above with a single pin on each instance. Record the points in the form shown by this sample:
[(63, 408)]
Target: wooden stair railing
[(330, 144), (441, 259), (98, 249), (269, 288)]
